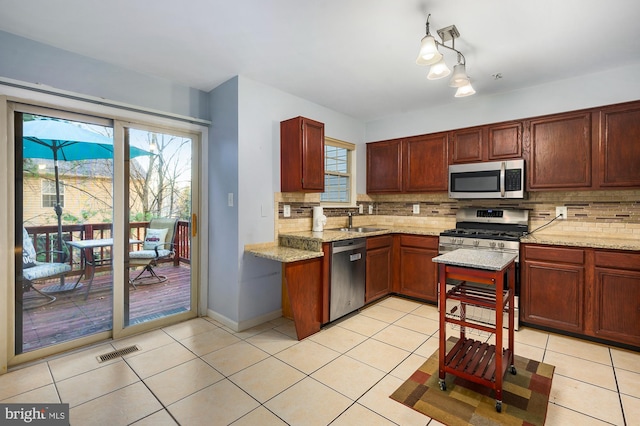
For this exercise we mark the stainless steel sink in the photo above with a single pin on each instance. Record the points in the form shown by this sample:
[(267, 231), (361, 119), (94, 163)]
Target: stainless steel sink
[(358, 229)]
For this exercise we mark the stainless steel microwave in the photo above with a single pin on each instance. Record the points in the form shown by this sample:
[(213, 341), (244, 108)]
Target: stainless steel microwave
[(494, 179)]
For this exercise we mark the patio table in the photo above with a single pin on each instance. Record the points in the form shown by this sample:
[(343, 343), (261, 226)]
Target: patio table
[(86, 248)]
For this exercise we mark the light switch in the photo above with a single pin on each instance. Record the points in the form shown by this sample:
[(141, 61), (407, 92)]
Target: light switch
[(230, 199), (286, 211), (370, 208), (360, 208)]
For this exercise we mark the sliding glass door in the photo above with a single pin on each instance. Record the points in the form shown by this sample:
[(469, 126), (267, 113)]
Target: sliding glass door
[(64, 199), (103, 229), (160, 213)]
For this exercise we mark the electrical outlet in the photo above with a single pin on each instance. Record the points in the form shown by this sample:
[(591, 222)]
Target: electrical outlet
[(416, 209), (287, 210), (370, 208), (360, 208), (230, 199), (561, 210)]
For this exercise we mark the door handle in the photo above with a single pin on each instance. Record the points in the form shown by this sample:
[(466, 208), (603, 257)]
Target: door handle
[(502, 174), (194, 224)]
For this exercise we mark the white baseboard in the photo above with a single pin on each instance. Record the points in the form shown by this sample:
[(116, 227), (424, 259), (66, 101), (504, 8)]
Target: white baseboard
[(243, 325)]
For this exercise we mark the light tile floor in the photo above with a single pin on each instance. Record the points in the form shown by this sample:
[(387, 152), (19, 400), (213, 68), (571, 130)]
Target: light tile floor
[(201, 373)]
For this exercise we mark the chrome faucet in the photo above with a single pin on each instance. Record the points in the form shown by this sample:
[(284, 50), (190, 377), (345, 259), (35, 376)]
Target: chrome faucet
[(350, 219)]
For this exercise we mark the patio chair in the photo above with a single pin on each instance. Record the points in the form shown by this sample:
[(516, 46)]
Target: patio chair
[(34, 271), (158, 244)]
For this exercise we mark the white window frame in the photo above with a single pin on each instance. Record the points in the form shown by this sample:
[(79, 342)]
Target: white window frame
[(45, 182), (351, 172)]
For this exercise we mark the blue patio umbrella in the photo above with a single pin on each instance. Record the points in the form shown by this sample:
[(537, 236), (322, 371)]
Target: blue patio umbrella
[(63, 140)]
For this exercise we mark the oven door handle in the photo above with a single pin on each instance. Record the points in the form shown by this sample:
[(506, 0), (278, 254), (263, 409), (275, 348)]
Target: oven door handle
[(502, 175)]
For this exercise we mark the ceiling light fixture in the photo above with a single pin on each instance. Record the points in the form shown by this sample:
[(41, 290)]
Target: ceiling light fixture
[(430, 55)]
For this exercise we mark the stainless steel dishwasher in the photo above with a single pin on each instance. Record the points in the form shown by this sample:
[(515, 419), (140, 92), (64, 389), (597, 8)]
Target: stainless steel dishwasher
[(347, 277)]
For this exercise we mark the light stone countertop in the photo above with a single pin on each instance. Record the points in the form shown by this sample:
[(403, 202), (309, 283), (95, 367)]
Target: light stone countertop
[(623, 242), (478, 259), (283, 254), (303, 245)]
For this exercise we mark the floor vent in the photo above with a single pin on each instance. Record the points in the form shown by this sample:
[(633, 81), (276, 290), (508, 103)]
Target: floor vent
[(118, 353)]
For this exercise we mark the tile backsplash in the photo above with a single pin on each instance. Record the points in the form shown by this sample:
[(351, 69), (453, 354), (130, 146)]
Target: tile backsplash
[(602, 212)]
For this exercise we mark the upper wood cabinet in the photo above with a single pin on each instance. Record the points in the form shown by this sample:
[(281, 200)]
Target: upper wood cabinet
[(487, 143), (416, 164), (618, 128), (384, 167), (301, 155), (560, 152), (425, 163), (466, 145), (504, 141)]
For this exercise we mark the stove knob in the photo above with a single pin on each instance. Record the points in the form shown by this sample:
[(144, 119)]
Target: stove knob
[(476, 243), (492, 244), (501, 244)]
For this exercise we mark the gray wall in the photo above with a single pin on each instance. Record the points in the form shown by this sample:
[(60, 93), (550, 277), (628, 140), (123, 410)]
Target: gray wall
[(223, 179), (609, 87), (32, 62), (261, 109)]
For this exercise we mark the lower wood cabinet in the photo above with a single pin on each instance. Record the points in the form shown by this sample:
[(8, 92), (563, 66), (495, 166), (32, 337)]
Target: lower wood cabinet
[(616, 301), (592, 292), (379, 267), (302, 296), (417, 275), (552, 291)]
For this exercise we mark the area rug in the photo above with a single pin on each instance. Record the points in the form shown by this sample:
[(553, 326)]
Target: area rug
[(524, 396)]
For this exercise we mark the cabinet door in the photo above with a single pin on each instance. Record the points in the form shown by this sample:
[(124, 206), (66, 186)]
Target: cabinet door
[(379, 267), (617, 294), (312, 155), (560, 156), (552, 289), (418, 274), (465, 146), (619, 147), (303, 281), (301, 155), (504, 141), (384, 167), (425, 163)]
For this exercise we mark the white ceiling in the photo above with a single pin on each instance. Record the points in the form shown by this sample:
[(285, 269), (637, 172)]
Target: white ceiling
[(356, 57)]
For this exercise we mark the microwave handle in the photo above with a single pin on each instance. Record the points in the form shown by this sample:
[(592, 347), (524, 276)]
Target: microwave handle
[(502, 175)]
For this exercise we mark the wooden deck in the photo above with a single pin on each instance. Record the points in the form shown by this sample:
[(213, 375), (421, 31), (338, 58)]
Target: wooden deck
[(71, 316)]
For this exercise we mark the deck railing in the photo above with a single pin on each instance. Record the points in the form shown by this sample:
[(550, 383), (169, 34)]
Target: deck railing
[(45, 239)]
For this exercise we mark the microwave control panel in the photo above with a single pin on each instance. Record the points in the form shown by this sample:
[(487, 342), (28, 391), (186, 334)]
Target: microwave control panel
[(513, 179)]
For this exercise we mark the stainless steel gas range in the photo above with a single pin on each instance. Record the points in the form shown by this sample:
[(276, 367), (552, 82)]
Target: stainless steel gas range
[(488, 229)]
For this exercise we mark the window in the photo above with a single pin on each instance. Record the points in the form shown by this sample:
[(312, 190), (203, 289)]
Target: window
[(338, 169), (49, 193)]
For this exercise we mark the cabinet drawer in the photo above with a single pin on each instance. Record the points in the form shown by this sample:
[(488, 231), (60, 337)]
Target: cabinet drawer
[(377, 242), (618, 260), (554, 254), (427, 242)]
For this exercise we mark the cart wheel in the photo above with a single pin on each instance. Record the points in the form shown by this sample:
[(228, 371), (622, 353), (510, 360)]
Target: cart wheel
[(512, 370), (443, 385), (499, 406)]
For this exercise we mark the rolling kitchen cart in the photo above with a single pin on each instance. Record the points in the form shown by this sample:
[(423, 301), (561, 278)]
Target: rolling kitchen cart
[(484, 279)]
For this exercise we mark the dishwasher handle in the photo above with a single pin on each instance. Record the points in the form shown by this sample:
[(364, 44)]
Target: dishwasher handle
[(348, 245)]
